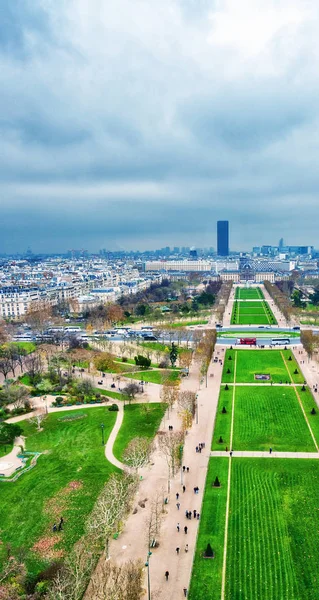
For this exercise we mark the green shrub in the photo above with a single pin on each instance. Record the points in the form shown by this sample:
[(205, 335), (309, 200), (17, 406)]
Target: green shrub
[(114, 407)]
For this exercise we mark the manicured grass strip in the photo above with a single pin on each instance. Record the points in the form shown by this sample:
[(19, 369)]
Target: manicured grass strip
[(206, 573), (252, 313), (74, 453), (297, 392), (273, 524), (309, 406), (261, 362), (115, 395), (140, 420), (267, 417), (155, 376), (229, 362), (223, 420), (249, 293)]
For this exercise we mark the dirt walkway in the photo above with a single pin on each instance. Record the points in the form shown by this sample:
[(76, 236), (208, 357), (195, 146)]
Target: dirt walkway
[(112, 437), (10, 462), (132, 543)]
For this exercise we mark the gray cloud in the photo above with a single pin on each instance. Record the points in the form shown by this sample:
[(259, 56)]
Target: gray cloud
[(130, 124)]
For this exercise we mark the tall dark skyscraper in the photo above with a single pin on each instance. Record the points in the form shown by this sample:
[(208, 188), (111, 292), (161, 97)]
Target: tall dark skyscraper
[(222, 238)]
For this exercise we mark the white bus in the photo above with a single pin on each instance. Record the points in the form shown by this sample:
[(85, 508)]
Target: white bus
[(280, 341)]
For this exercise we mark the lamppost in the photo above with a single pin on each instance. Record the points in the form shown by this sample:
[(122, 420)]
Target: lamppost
[(181, 449), (102, 431), (147, 564), (46, 403), (196, 409)]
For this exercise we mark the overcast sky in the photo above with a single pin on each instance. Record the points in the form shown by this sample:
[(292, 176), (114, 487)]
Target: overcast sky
[(133, 124)]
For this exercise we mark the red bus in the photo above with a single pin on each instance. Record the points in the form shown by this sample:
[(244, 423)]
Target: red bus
[(248, 341)]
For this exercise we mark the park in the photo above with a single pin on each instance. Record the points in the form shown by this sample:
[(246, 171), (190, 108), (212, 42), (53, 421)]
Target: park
[(119, 421), (266, 547)]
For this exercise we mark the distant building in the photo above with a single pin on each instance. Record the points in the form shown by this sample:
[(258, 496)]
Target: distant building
[(193, 253), (222, 238)]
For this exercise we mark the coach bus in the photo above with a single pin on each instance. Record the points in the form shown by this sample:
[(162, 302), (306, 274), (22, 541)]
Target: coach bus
[(280, 341), (248, 341)]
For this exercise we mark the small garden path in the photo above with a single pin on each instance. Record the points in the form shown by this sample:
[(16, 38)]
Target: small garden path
[(112, 437)]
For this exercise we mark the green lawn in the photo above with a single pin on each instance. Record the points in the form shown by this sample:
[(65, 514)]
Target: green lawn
[(110, 394), (140, 420), (207, 573), (273, 550), (252, 313), (74, 453), (265, 417), (251, 362), (155, 376), (5, 449), (28, 346), (249, 294), (190, 323), (269, 417), (223, 420)]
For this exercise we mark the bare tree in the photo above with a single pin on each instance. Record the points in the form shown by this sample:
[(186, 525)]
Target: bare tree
[(137, 453), (38, 316), (111, 506), (169, 393), (38, 418), (170, 444), (131, 390), (5, 363), (186, 418), (72, 579), (187, 401), (115, 582), (154, 520), (33, 365)]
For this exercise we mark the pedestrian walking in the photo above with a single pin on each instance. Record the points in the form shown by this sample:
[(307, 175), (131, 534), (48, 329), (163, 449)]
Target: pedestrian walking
[(61, 524), (194, 490), (166, 575), (54, 528), (186, 548), (270, 450), (184, 489), (185, 529), (178, 505), (194, 512), (197, 516), (187, 469), (177, 495), (184, 468), (196, 448), (177, 550), (189, 515), (178, 527), (185, 592), (231, 453)]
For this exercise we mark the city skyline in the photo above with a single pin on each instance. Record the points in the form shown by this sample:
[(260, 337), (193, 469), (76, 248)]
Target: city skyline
[(124, 125)]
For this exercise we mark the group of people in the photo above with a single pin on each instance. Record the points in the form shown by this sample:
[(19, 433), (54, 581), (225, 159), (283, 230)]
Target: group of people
[(58, 527), (200, 447)]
